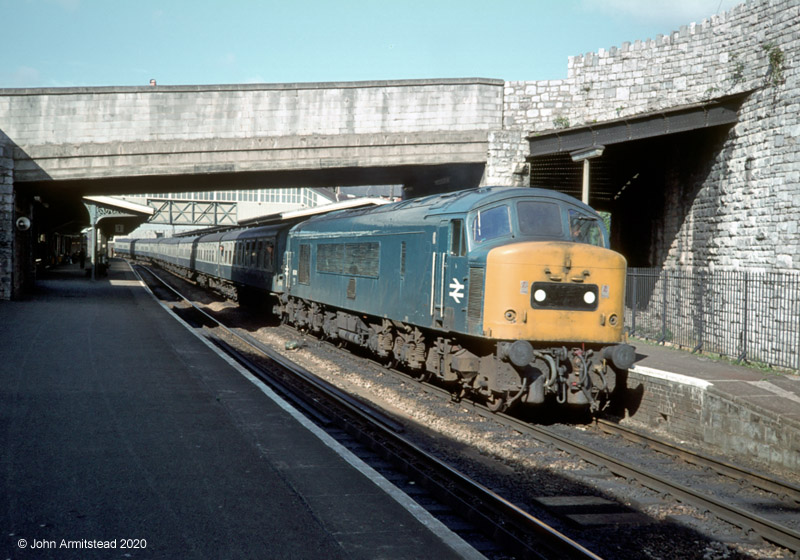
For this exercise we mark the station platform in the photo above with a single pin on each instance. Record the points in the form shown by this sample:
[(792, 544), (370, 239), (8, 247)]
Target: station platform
[(773, 391), (122, 430), (749, 414)]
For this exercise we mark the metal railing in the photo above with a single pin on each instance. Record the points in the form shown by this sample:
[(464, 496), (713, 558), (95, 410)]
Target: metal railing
[(750, 316)]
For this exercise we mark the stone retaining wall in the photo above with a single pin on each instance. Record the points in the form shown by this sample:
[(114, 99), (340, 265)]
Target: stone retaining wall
[(711, 419), (742, 210)]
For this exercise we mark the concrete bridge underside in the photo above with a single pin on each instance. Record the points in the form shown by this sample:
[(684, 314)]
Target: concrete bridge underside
[(163, 166)]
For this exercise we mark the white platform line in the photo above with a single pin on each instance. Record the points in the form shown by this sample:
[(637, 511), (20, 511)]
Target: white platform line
[(673, 377)]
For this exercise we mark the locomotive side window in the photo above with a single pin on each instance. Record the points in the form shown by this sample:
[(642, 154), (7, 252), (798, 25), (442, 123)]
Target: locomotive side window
[(585, 229), (458, 241), (541, 219), (330, 257), (354, 259), (304, 265), (490, 224)]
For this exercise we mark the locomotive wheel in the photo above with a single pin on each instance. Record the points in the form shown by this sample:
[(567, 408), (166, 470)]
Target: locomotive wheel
[(422, 375), (390, 362), (497, 404)]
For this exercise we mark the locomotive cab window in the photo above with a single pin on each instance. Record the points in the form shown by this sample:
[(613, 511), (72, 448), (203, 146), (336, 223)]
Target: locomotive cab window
[(491, 223), (585, 229), (539, 219), (458, 240)]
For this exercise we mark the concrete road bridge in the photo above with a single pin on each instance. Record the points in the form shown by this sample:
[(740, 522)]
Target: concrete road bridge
[(142, 139), (62, 144)]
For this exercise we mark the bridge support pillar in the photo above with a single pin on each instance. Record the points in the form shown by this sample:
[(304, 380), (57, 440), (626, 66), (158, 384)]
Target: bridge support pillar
[(506, 165)]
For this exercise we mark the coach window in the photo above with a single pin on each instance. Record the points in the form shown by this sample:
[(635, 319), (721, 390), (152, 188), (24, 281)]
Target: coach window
[(268, 258), (491, 223), (260, 253)]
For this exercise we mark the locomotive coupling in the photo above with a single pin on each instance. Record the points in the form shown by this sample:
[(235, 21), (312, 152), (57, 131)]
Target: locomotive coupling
[(621, 355)]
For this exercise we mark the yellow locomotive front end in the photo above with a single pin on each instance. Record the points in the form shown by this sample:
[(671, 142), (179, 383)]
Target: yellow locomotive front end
[(554, 292), (556, 309)]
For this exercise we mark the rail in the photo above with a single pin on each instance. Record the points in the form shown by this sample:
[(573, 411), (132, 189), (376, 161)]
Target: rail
[(737, 516), (768, 483)]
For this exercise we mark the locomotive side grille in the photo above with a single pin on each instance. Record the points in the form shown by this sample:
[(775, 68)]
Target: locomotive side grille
[(475, 294)]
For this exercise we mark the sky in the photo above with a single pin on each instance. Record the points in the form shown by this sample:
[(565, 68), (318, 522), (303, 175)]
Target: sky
[(71, 43)]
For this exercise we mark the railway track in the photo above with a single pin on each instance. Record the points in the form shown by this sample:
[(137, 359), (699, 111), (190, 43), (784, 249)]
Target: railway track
[(508, 530), (749, 522), (744, 518), (785, 491)]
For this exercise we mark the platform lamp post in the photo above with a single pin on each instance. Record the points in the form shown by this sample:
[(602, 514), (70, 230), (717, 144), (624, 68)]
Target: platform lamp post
[(92, 208), (584, 155)]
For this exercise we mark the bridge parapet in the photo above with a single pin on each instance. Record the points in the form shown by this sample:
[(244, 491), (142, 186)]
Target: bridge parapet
[(85, 133)]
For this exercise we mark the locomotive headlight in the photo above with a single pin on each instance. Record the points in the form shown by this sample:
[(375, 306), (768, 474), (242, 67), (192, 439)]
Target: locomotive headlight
[(589, 298), (539, 295)]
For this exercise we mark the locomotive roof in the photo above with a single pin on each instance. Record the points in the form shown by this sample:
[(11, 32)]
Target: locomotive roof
[(420, 210)]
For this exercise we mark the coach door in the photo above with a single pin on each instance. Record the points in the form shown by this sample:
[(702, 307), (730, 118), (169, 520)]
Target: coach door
[(450, 276)]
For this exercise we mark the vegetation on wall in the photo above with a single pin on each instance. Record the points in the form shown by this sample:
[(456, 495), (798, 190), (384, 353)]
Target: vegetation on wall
[(776, 60)]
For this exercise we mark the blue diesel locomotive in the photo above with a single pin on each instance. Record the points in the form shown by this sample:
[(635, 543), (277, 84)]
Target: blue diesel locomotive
[(508, 294)]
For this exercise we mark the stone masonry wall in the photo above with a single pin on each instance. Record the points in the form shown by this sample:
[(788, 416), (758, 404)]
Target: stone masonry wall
[(691, 411), (744, 213)]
